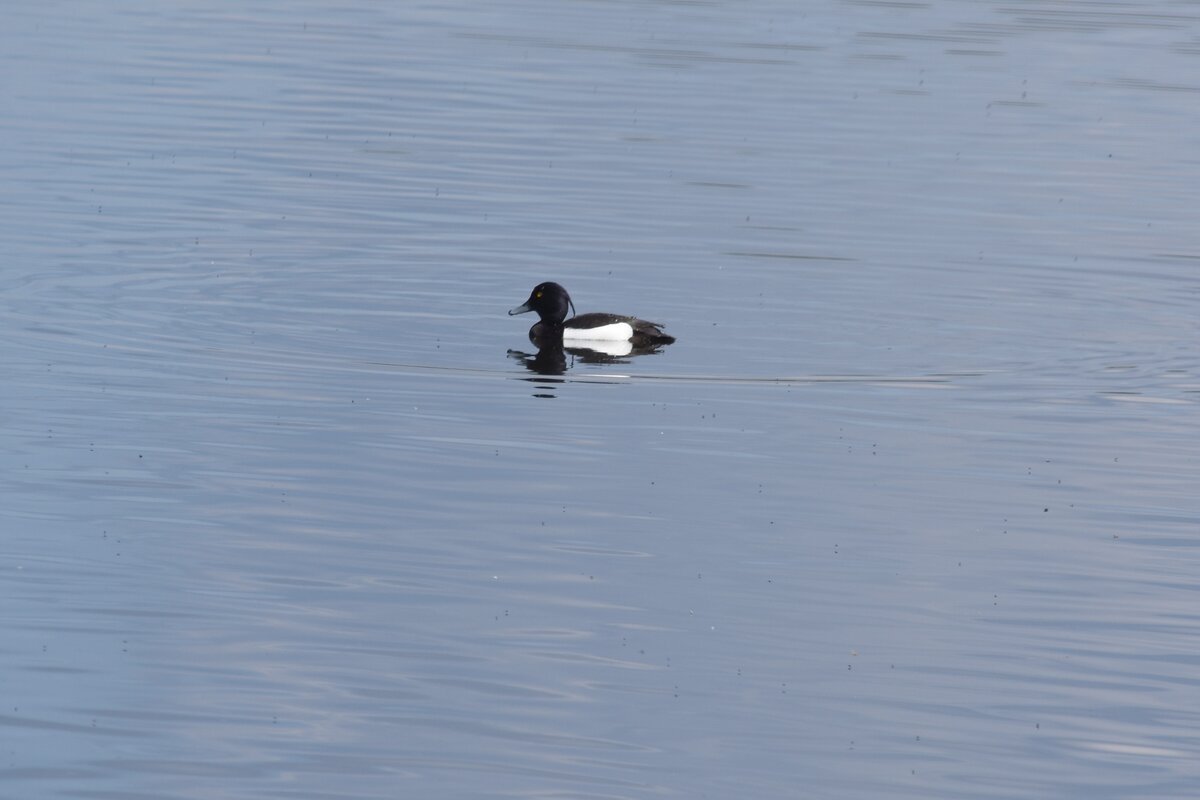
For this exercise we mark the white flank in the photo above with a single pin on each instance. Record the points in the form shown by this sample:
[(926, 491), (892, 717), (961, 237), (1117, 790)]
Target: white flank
[(615, 332), (606, 346)]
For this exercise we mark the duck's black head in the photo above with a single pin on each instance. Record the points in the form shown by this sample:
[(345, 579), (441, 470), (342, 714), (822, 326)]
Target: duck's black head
[(550, 301)]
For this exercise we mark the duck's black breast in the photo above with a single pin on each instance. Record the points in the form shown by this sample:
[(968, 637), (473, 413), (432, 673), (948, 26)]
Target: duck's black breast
[(545, 331)]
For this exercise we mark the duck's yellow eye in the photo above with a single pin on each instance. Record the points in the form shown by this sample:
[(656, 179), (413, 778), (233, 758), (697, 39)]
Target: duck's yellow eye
[(539, 294)]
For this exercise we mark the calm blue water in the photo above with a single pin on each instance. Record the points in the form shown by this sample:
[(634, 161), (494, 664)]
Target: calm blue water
[(909, 510)]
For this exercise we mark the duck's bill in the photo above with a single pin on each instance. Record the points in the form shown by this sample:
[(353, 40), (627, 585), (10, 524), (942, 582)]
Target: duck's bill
[(521, 309)]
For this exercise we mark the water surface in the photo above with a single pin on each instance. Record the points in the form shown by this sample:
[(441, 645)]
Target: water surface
[(908, 511)]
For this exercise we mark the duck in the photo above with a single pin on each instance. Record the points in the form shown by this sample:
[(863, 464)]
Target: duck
[(551, 301)]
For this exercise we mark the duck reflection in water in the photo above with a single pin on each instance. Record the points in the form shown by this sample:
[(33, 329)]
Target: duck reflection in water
[(554, 359), (593, 338)]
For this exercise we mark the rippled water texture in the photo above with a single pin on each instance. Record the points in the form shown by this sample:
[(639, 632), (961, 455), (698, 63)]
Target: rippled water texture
[(908, 511)]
